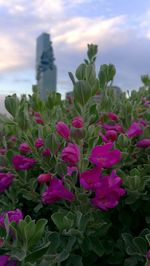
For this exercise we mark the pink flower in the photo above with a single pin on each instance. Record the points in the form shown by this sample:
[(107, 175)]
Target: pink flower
[(134, 130), (24, 148), (102, 156), (44, 178), (13, 138), (5, 181), (144, 143), (111, 135), (6, 261), (37, 114), (46, 152), (39, 142), (90, 179), (112, 116), (148, 254), (39, 121), (13, 216), (71, 154), (3, 151), (63, 130), (143, 122), (104, 139), (56, 191), (71, 169), (21, 162), (147, 103), (3, 260), (115, 127), (78, 122), (38, 118), (108, 194)]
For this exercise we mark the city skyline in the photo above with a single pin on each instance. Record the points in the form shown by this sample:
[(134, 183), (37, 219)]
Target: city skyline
[(120, 28)]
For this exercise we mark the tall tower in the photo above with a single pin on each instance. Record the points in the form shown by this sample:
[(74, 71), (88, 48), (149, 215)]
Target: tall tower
[(46, 71)]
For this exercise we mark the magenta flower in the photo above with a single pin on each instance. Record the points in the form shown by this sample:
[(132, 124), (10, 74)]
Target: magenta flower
[(13, 138), (144, 143), (63, 130), (112, 116), (39, 143), (6, 261), (24, 148), (134, 130), (108, 194), (78, 122), (104, 157), (37, 114), (111, 135), (38, 118), (115, 127), (3, 151), (21, 162), (148, 254), (3, 260), (147, 103), (5, 181), (46, 152), (44, 178), (71, 169), (39, 121), (104, 139), (13, 216), (71, 154), (56, 191), (90, 179), (143, 122)]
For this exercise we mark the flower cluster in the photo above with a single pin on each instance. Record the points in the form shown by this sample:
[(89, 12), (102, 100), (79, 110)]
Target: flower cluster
[(106, 188)]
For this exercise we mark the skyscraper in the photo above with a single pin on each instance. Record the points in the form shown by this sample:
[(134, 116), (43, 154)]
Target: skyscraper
[(46, 71)]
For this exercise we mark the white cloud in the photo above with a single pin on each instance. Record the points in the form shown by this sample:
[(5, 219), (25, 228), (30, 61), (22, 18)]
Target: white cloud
[(41, 8), (13, 55), (79, 31)]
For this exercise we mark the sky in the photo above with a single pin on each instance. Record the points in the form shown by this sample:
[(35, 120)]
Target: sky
[(121, 28)]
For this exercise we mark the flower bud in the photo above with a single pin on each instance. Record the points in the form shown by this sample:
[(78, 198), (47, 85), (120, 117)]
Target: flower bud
[(63, 130), (39, 142), (78, 122), (44, 178)]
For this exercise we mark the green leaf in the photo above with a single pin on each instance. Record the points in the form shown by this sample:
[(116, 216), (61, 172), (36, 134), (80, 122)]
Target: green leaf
[(18, 253), (12, 104), (74, 260), (90, 74), (39, 230), (141, 245), (34, 256), (30, 230), (148, 238), (80, 72), (82, 92), (57, 218), (92, 52), (97, 246), (131, 261)]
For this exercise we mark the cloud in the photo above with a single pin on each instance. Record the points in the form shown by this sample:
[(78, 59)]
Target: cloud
[(40, 7), (122, 40), (13, 55), (77, 32)]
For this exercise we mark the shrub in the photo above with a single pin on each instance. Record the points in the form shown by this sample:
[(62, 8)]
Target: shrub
[(75, 175)]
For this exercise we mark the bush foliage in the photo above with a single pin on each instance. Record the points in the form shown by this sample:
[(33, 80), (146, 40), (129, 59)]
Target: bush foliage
[(75, 174)]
